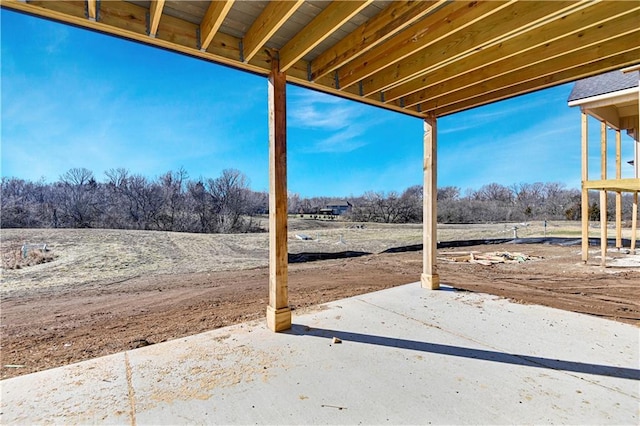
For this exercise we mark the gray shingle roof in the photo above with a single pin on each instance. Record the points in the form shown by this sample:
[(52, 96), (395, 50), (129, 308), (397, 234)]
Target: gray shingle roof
[(604, 83)]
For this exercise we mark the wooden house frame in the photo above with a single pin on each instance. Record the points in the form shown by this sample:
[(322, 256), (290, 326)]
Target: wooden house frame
[(612, 99), (426, 58)]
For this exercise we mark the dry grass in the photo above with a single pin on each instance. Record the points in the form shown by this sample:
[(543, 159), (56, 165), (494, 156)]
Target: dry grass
[(100, 257), (15, 259)]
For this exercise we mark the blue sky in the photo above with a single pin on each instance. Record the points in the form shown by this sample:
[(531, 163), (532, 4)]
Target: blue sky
[(74, 98)]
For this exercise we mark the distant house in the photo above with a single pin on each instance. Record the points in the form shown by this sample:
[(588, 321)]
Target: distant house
[(336, 208)]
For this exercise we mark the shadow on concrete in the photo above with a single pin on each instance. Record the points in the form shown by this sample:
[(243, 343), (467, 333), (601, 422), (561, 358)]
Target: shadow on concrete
[(481, 354)]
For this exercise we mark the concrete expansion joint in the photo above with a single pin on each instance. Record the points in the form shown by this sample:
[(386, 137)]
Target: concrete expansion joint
[(132, 395)]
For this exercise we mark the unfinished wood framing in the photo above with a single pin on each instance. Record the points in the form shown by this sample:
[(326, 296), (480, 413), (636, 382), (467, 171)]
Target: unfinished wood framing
[(322, 26), (585, 191), (426, 59), (430, 278), (396, 17), (278, 311), (603, 194), (613, 99), (213, 19), (636, 151), (415, 57), (92, 9), (618, 193), (155, 12), (264, 27), (634, 222)]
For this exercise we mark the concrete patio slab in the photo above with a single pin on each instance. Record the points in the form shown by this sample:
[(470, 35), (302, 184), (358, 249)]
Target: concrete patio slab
[(407, 356)]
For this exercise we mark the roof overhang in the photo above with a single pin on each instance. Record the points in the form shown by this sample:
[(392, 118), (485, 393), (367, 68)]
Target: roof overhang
[(422, 58), (613, 98)]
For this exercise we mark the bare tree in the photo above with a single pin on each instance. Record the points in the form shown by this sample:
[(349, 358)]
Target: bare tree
[(229, 196), (79, 198), (173, 215)]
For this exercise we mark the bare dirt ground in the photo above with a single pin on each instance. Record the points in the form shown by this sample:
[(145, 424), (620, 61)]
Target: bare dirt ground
[(108, 291)]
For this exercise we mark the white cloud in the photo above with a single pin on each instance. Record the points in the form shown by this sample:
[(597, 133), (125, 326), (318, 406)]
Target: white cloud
[(311, 110), (345, 140), (337, 125)]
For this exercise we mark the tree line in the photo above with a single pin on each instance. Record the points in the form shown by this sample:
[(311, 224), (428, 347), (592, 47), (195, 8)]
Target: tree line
[(124, 200), (490, 203), (225, 204)]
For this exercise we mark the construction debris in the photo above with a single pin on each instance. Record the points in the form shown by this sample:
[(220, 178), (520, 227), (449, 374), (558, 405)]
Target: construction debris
[(487, 259)]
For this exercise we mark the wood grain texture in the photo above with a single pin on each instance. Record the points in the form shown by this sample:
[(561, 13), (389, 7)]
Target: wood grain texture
[(585, 192), (396, 17), (213, 18), (430, 278), (323, 25), (278, 247), (269, 21)]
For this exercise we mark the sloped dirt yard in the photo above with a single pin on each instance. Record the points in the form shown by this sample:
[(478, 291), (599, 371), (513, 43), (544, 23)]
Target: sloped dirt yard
[(49, 326)]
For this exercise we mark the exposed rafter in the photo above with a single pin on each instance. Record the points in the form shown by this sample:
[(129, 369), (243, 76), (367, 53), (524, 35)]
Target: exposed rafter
[(553, 56), (322, 26), (523, 46), (92, 9), (543, 81), (270, 20), (217, 11), (517, 18), (396, 17), (577, 58), (155, 12), (433, 28), (417, 57)]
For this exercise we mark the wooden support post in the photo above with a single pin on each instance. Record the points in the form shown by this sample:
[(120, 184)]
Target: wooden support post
[(430, 278), (585, 192), (618, 193), (278, 311), (603, 194), (634, 223), (636, 162)]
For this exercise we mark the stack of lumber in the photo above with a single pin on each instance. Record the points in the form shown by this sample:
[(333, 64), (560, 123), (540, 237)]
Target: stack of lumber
[(486, 258)]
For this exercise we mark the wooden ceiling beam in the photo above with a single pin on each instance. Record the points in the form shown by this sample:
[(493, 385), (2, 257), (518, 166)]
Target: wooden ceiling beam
[(322, 26), (580, 40), (419, 90), (92, 9), (155, 12), (394, 18), (436, 26), (558, 64), (130, 21), (213, 18), (610, 63), (270, 20), (554, 54), (516, 19)]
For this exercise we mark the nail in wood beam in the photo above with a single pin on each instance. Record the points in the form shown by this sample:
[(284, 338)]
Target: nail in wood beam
[(278, 311), (585, 192), (430, 278), (603, 194)]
